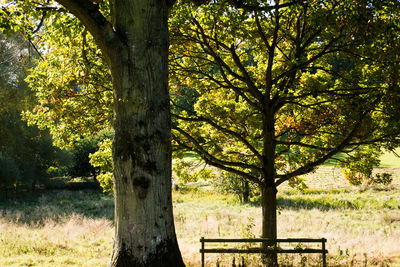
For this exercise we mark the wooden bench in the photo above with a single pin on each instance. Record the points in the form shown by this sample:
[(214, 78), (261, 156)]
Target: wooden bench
[(275, 249)]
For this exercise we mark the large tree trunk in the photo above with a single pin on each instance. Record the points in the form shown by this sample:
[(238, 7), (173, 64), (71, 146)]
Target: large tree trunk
[(144, 227)]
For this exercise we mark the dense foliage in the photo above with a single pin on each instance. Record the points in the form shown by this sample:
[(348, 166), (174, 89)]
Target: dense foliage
[(266, 90), (72, 84)]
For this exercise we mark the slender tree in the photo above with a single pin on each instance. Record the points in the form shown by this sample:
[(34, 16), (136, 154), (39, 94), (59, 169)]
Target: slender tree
[(280, 92)]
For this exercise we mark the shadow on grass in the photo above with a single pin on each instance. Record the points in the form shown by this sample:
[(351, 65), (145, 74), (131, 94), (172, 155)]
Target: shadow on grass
[(309, 204), (36, 208), (300, 203)]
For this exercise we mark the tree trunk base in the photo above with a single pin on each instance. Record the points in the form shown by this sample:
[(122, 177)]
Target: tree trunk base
[(167, 256), (269, 226)]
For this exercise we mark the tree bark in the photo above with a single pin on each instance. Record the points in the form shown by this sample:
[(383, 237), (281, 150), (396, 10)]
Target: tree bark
[(269, 224), (268, 190), (144, 226)]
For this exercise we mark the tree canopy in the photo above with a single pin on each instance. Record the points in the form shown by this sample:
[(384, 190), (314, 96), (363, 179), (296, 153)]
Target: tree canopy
[(286, 89)]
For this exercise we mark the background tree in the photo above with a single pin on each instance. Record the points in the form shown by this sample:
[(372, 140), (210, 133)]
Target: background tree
[(232, 183), (26, 153), (282, 91)]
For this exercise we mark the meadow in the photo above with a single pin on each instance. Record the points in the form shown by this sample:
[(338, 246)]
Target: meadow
[(74, 228)]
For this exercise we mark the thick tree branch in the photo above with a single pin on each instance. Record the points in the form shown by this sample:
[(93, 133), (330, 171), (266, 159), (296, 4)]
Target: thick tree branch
[(40, 23), (271, 56), (251, 8), (100, 28), (248, 79), (261, 32)]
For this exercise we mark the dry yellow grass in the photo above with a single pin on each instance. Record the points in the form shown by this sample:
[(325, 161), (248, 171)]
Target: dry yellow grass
[(73, 241), (75, 228), (353, 236)]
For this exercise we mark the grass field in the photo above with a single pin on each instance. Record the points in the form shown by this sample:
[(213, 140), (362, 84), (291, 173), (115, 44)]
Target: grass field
[(390, 159), (67, 228)]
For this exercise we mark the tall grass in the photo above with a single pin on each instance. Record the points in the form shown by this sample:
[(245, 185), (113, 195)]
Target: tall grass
[(65, 228), (56, 229), (355, 236)]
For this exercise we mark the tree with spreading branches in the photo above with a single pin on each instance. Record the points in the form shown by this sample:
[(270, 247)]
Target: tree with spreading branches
[(277, 93)]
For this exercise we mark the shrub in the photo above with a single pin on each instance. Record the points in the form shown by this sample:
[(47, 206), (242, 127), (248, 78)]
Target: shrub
[(358, 167), (102, 159), (106, 181), (382, 178), (298, 183), (235, 184)]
